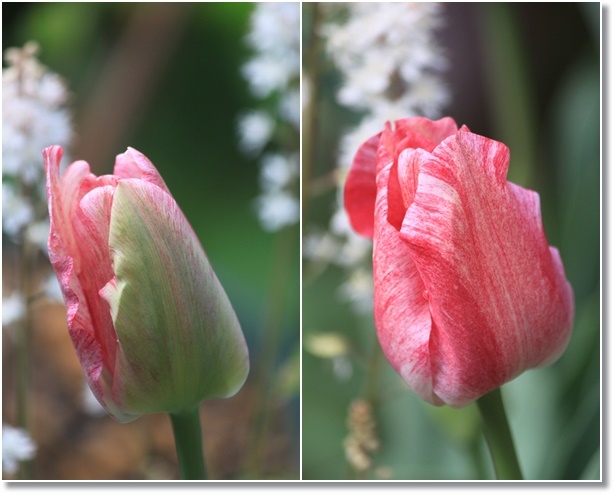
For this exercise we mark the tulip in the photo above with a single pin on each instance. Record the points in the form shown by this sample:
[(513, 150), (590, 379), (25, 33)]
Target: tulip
[(468, 293), (152, 326)]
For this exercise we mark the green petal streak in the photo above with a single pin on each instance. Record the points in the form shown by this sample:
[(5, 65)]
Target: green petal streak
[(179, 339)]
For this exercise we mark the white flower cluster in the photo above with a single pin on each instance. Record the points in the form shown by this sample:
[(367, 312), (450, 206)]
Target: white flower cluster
[(389, 61), (389, 58), (33, 117), (273, 74), (17, 445)]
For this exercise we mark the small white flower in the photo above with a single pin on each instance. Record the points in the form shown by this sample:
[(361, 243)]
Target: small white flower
[(369, 81), (266, 74), (17, 445), (38, 234), (275, 35), (355, 250), (385, 51), (32, 114), (52, 91), (276, 171), (274, 27), (17, 211), (358, 290), (290, 107), (255, 130), (277, 210), (320, 247), (13, 308), (273, 74), (33, 118), (340, 223)]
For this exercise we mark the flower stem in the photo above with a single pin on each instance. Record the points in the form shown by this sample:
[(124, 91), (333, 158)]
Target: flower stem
[(498, 436), (188, 443)]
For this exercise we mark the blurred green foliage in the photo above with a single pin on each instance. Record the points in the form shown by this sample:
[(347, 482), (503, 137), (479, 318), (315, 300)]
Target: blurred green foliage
[(527, 75)]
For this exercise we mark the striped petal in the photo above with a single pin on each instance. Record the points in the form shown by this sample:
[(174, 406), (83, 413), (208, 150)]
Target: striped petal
[(77, 264), (360, 189), (151, 325), (468, 293), (498, 296), (180, 341), (401, 311), (133, 164)]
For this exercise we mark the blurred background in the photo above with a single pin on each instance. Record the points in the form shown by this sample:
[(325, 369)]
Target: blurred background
[(524, 74), (168, 79)]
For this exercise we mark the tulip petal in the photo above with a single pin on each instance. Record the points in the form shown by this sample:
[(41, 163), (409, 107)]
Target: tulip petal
[(498, 296), (133, 164), (433, 130), (403, 136), (360, 189), (91, 229), (402, 185), (64, 196), (175, 325), (401, 311)]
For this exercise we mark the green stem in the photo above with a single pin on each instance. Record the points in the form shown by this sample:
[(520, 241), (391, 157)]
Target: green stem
[(189, 445), (498, 436)]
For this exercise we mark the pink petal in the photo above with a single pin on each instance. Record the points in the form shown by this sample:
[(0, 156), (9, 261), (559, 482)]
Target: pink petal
[(377, 152), (402, 316), (433, 130), (84, 327), (64, 195), (133, 164), (396, 138), (402, 136), (91, 229), (360, 189), (498, 297), (402, 185)]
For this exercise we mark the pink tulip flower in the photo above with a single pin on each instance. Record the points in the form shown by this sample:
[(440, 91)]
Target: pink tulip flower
[(468, 293), (151, 324)]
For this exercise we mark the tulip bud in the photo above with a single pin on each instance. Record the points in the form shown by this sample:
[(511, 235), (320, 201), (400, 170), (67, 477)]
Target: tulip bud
[(468, 293), (152, 326)]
